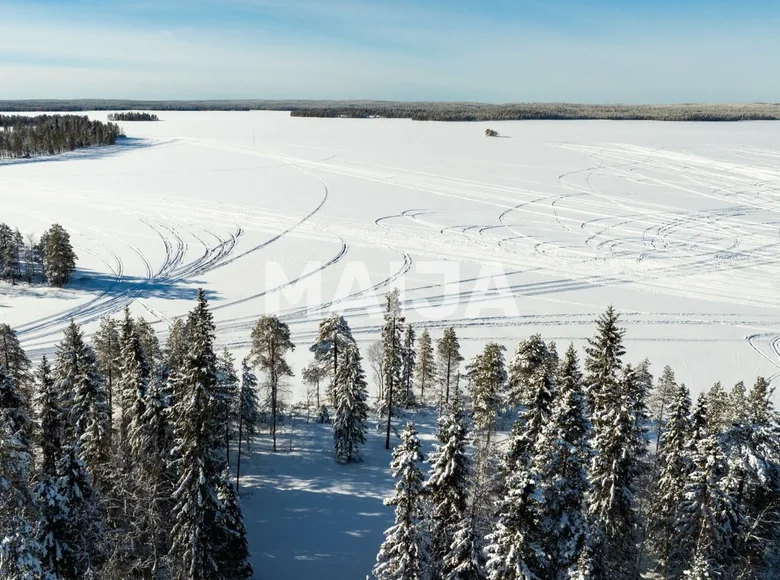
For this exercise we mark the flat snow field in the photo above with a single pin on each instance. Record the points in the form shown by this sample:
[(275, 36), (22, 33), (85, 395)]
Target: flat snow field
[(676, 224)]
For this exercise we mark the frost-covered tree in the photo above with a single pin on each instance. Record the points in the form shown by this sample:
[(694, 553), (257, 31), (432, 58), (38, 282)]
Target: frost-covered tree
[(312, 375), (719, 408), (604, 353), (531, 361), (15, 360), (674, 468), (198, 453), (752, 449), (131, 385), (85, 398), (402, 555), (407, 367), (708, 516), (448, 359), (618, 441), (20, 551), (487, 377), (107, 357), (465, 559), (559, 468), (59, 259), (270, 345), (228, 386), (425, 367), (233, 549), (333, 335), (350, 399), (392, 357), (150, 345), (247, 414), (447, 487), (659, 400), (50, 419), (534, 377), (72, 527)]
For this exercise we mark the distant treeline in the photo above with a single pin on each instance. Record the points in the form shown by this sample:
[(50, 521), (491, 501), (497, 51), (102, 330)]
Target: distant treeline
[(540, 111), (24, 136), (132, 116), (426, 111)]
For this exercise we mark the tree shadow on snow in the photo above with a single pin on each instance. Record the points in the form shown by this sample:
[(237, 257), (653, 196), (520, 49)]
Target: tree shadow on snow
[(135, 286), (122, 145)]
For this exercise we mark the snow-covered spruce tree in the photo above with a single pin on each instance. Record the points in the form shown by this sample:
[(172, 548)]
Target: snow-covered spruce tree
[(448, 359), (333, 335), (699, 421), (719, 417), (247, 414), (20, 551), (604, 352), (708, 518), (150, 346), (402, 555), (131, 386), (198, 452), (175, 350), (50, 419), (107, 357), (559, 468), (392, 361), (407, 367), (465, 559), (84, 397), (233, 553), (659, 401), (752, 448), (350, 396), (270, 345), (425, 367), (228, 385), (514, 547), (619, 443), (530, 361), (487, 377), (738, 405), (674, 468), (15, 360), (538, 390), (447, 487), (59, 259), (74, 534)]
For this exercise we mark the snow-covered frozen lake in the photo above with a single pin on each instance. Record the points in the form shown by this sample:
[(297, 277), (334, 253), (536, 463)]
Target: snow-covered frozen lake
[(676, 224)]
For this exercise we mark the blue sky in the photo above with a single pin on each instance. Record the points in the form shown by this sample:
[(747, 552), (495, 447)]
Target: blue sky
[(490, 50)]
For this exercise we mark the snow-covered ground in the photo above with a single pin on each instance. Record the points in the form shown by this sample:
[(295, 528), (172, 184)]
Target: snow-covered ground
[(677, 225)]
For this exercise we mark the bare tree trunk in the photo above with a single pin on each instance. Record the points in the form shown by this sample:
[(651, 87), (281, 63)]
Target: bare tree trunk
[(390, 390)]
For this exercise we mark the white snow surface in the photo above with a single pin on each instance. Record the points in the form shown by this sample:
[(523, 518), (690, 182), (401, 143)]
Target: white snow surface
[(676, 224)]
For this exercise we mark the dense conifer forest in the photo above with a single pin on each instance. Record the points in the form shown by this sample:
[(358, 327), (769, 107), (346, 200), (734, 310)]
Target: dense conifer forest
[(24, 136), (115, 456), (132, 116), (427, 110)]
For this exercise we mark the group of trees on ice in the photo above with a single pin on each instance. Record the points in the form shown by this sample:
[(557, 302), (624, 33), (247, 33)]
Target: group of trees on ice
[(602, 475), (133, 116), (50, 259), (24, 136)]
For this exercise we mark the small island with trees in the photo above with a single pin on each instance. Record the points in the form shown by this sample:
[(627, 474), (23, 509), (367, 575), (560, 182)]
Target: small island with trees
[(23, 136), (23, 259), (133, 116)]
